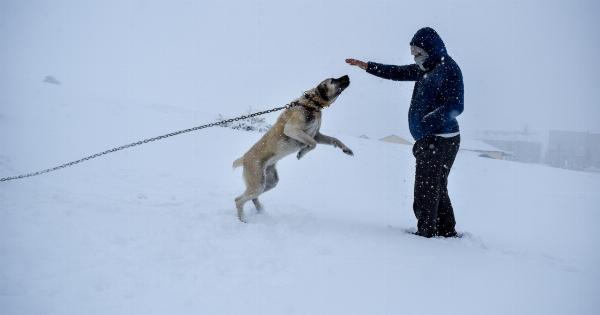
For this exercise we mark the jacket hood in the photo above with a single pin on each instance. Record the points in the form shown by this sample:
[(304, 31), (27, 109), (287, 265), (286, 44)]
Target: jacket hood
[(428, 39)]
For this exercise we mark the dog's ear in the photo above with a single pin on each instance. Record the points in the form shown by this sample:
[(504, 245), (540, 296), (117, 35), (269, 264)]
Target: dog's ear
[(322, 91)]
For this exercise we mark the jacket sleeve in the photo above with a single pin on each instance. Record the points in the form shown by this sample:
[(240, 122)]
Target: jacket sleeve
[(396, 73), (451, 104)]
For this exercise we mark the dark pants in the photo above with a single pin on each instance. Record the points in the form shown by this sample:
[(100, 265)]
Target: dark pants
[(435, 156)]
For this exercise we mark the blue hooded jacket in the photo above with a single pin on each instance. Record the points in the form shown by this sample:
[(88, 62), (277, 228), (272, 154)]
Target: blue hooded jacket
[(438, 95)]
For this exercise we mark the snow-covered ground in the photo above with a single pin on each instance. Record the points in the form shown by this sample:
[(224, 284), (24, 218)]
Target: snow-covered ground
[(152, 230)]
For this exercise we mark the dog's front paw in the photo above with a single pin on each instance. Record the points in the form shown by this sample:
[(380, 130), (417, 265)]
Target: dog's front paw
[(303, 151), (348, 151)]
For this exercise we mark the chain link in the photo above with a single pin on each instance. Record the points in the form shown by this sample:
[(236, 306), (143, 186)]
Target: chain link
[(123, 147)]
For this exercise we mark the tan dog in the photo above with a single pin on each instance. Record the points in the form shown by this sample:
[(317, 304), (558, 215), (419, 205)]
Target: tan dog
[(296, 130)]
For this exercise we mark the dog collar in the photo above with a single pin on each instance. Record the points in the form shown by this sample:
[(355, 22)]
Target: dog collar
[(312, 104)]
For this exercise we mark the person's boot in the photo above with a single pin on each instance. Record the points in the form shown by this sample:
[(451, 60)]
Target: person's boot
[(448, 233), (425, 234)]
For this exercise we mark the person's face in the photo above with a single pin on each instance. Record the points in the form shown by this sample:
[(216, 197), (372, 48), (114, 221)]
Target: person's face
[(417, 51), (420, 56)]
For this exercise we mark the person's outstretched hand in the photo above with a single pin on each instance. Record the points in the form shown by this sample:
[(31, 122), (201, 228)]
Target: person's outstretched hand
[(358, 63)]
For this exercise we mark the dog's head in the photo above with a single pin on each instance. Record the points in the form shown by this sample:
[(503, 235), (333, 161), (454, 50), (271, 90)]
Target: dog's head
[(331, 88)]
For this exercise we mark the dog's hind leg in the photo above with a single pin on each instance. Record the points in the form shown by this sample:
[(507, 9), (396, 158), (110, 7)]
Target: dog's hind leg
[(271, 180), (255, 185), (249, 194), (257, 205)]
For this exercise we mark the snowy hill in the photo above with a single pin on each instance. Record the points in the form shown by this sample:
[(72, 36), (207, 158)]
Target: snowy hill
[(152, 230)]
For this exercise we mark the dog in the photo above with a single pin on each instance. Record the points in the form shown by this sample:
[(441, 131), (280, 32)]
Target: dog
[(296, 130)]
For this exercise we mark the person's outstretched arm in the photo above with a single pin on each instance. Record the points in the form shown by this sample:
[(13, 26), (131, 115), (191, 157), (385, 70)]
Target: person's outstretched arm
[(390, 72)]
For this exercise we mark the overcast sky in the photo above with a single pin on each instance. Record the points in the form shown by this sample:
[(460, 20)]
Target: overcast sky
[(525, 63)]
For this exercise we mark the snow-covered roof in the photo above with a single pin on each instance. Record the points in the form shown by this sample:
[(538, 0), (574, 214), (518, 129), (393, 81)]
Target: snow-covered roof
[(396, 139), (477, 145)]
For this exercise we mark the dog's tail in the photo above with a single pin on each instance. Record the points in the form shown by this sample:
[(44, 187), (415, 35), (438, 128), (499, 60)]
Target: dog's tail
[(237, 163)]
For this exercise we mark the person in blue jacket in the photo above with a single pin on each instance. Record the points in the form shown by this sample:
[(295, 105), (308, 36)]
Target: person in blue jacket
[(437, 99)]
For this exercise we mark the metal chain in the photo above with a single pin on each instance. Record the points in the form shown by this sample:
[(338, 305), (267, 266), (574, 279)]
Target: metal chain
[(123, 147)]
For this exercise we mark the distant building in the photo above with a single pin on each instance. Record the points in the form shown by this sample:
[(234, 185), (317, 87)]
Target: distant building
[(594, 151), (573, 150), (522, 146), (522, 151), (484, 149)]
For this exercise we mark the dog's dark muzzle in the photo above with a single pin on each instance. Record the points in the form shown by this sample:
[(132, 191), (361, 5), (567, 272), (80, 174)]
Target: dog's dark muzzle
[(343, 82)]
